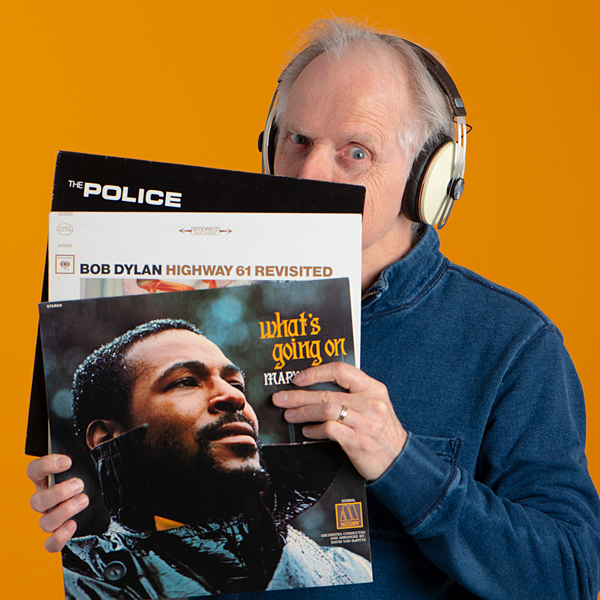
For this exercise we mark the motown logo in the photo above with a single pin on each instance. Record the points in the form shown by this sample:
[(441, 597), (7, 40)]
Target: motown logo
[(348, 515), (65, 264)]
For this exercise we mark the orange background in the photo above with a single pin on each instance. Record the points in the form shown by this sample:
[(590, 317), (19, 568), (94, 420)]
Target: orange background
[(190, 82)]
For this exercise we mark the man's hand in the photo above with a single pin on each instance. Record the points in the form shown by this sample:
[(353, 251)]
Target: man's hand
[(362, 421), (57, 503)]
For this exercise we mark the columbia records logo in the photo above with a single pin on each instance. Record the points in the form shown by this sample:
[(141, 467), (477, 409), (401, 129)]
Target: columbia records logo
[(65, 229), (65, 264), (348, 515)]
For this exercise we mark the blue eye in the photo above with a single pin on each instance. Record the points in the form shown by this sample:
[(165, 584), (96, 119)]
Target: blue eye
[(296, 138), (358, 153)]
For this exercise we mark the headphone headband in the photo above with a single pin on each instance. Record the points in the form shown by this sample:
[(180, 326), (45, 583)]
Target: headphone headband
[(442, 77)]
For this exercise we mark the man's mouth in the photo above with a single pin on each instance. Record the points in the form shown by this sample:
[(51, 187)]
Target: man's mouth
[(231, 435), (235, 433)]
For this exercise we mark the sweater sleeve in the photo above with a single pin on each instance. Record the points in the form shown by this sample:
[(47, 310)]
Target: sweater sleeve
[(526, 523)]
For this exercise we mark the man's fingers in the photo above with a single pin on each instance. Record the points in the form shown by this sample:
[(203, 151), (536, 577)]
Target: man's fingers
[(39, 469), (58, 516), (59, 503), (326, 405), (346, 376), (358, 384), (47, 498), (332, 430), (294, 399), (328, 411), (60, 537)]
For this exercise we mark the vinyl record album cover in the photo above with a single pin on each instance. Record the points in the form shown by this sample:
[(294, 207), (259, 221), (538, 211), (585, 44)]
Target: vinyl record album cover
[(197, 484)]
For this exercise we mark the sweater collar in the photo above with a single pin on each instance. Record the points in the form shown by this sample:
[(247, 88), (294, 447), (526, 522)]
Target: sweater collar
[(404, 281)]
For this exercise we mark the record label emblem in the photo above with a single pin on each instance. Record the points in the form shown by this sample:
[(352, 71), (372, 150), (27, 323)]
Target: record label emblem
[(65, 264), (348, 515)]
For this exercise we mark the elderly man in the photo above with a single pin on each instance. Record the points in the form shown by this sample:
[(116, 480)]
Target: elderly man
[(468, 417)]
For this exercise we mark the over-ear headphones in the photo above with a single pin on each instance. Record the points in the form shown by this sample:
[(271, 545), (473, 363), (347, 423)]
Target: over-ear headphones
[(436, 178)]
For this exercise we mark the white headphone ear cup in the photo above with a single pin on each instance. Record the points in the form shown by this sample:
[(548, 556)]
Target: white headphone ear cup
[(436, 186)]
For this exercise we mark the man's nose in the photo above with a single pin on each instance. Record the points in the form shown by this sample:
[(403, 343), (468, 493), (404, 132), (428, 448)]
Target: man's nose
[(226, 398), (317, 165)]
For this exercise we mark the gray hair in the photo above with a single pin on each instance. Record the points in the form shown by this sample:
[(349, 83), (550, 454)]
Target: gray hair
[(432, 117)]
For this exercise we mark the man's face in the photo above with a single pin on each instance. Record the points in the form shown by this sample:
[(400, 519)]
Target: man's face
[(341, 124), (193, 400)]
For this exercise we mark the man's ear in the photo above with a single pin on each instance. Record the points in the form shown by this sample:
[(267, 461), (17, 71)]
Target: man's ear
[(102, 430)]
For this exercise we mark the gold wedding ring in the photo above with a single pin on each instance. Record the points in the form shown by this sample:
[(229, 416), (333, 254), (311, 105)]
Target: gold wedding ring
[(343, 414)]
